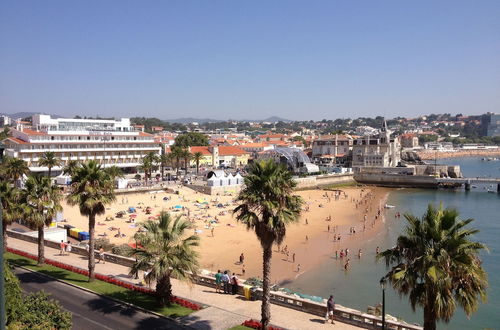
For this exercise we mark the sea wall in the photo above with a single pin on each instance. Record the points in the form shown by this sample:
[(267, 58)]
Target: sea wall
[(432, 154), (394, 180), (343, 314), (313, 182)]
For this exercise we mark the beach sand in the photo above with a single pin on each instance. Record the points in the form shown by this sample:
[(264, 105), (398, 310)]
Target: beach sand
[(231, 238)]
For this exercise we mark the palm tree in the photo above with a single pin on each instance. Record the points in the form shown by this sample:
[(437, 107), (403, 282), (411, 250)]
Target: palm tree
[(91, 189), (149, 162), (197, 157), (267, 206), (164, 160), (40, 203), (186, 155), (436, 263), (9, 195), (49, 160), (114, 172), (15, 168), (165, 249), (70, 167), (177, 154)]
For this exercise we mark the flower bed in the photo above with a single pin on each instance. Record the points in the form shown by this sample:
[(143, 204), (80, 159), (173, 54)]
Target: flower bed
[(257, 325), (106, 278)]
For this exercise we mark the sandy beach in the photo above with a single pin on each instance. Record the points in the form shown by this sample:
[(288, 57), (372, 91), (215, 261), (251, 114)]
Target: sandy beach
[(308, 239)]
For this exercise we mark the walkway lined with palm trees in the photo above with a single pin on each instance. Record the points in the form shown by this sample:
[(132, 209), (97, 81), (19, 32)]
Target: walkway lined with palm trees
[(224, 312)]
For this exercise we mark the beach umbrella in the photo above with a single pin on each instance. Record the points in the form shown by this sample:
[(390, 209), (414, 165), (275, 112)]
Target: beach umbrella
[(133, 215)]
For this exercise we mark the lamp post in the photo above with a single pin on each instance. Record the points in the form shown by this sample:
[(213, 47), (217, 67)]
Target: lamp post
[(382, 285)]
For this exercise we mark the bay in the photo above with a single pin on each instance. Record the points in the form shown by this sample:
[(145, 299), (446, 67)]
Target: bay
[(359, 287)]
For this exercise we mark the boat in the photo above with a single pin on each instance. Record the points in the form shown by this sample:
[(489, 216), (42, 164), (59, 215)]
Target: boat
[(491, 191), (473, 186), (387, 206)]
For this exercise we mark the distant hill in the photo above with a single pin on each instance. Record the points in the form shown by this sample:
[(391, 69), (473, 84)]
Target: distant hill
[(188, 120)]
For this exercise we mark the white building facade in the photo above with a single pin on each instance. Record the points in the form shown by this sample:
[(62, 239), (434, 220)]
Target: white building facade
[(110, 142)]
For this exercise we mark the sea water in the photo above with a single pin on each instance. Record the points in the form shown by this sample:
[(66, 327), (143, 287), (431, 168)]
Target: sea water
[(359, 287)]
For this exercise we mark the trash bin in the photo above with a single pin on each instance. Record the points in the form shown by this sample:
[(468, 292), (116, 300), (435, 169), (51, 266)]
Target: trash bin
[(254, 293)]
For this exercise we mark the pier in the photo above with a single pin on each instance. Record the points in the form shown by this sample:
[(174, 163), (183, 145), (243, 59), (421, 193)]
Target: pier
[(468, 182)]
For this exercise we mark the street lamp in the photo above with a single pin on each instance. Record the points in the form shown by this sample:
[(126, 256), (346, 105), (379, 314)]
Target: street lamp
[(382, 285)]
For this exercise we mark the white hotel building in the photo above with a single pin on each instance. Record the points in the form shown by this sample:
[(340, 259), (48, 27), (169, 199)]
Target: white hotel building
[(110, 142)]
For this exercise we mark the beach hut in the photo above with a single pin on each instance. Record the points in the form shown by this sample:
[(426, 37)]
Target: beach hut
[(224, 181), (239, 179), (213, 181)]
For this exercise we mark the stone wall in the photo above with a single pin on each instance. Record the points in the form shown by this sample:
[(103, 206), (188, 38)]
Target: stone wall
[(313, 182)]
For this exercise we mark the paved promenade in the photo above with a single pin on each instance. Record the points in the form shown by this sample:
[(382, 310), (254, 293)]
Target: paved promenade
[(224, 311)]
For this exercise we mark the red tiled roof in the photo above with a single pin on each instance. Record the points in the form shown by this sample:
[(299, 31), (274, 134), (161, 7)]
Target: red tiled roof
[(144, 134), (16, 140), (32, 132), (230, 150), (223, 151), (203, 150)]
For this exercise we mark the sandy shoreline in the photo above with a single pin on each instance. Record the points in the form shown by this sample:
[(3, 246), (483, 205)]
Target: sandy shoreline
[(231, 238), (456, 154)]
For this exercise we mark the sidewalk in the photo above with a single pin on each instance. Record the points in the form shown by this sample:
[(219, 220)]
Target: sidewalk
[(225, 311)]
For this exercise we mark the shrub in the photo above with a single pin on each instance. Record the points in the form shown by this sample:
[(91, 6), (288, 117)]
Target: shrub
[(122, 250), (104, 242)]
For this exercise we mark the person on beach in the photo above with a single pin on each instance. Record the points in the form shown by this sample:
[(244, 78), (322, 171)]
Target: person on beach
[(336, 254), (243, 270), (101, 255), (68, 247), (298, 268), (330, 308), (377, 250), (346, 266), (242, 258), (293, 257), (360, 253), (212, 231), (218, 280), (307, 222), (62, 245)]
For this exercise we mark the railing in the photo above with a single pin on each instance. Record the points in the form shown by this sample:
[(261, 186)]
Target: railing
[(342, 314)]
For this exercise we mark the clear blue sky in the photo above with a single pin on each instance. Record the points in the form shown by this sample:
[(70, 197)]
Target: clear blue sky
[(250, 59)]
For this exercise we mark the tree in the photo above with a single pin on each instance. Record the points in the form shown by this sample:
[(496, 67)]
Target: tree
[(197, 157), (91, 189), (267, 206), (177, 154), (114, 172), (436, 264), (186, 155), (191, 139), (4, 133), (70, 167), (34, 311), (40, 203), (49, 160), (165, 249), (149, 162), (15, 168), (10, 206)]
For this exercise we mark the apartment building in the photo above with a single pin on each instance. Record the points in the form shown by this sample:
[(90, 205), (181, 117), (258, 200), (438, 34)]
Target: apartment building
[(110, 142)]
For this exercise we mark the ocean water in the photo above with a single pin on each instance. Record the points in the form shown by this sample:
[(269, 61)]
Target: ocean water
[(359, 287)]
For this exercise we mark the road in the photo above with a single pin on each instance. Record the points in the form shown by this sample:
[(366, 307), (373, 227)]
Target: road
[(91, 311)]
